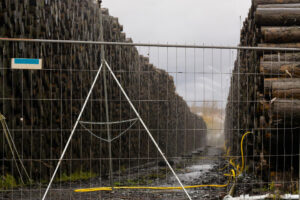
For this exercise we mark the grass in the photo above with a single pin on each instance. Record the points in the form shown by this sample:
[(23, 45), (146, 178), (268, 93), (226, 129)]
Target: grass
[(7, 182), (79, 175)]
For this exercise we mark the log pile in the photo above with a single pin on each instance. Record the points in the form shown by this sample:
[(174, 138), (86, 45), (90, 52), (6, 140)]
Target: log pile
[(266, 87), (41, 107)]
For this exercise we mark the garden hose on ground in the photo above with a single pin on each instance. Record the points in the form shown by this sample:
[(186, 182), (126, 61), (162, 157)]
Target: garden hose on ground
[(233, 175), (155, 188)]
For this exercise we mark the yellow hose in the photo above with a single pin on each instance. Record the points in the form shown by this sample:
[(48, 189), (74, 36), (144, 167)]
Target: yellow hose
[(242, 151), (232, 175), (156, 188), (149, 188), (145, 188)]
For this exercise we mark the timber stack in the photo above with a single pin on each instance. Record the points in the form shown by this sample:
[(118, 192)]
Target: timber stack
[(41, 106), (266, 87)]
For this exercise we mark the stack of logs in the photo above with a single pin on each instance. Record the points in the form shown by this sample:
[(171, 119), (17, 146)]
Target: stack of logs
[(41, 107), (266, 87)]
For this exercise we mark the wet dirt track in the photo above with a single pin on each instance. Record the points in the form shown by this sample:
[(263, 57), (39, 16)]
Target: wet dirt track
[(202, 168)]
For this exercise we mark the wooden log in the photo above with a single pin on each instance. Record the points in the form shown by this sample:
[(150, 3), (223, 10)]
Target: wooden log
[(285, 112), (282, 88), (277, 16), (264, 2), (268, 82), (285, 57), (286, 90), (280, 34), (295, 5), (282, 45), (283, 69)]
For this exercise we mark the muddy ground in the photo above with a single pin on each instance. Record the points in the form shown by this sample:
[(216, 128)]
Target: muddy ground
[(203, 168)]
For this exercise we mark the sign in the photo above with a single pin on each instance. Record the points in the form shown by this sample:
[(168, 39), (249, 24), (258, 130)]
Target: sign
[(26, 63)]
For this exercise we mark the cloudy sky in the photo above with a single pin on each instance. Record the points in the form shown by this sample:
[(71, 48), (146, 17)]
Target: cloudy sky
[(200, 75)]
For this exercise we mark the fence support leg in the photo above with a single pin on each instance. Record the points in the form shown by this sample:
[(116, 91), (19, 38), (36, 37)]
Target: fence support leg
[(146, 128), (72, 133)]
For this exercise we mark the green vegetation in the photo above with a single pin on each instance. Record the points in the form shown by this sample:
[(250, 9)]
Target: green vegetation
[(7, 181), (79, 175), (296, 191), (272, 186)]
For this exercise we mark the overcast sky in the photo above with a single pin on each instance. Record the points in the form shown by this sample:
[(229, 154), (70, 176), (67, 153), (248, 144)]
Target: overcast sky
[(199, 75), (180, 21)]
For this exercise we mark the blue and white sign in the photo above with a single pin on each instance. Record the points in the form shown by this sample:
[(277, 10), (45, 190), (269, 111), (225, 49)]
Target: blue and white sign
[(26, 63)]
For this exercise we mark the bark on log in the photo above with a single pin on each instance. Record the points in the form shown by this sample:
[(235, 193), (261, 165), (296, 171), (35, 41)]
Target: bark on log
[(282, 45), (295, 5), (280, 34), (283, 69), (269, 81), (277, 16), (263, 2), (284, 57), (285, 112), (282, 88)]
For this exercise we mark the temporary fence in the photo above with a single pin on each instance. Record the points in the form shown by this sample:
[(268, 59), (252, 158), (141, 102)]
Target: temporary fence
[(212, 117)]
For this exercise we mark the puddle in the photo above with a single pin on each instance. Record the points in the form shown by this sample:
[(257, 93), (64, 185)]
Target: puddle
[(194, 172), (199, 167)]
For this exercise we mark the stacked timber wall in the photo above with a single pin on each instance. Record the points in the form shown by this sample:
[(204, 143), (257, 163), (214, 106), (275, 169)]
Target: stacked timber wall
[(265, 86), (41, 106)]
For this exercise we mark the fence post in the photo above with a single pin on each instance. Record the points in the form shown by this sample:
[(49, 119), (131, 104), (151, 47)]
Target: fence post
[(106, 98)]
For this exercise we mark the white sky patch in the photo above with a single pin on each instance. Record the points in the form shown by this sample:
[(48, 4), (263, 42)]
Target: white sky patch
[(205, 73), (211, 22), (203, 90)]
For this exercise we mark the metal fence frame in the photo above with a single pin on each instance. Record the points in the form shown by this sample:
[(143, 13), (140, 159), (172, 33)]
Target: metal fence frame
[(104, 43)]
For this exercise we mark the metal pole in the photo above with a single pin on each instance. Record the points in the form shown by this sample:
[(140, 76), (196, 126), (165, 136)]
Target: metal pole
[(146, 128), (72, 133), (149, 44), (299, 166), (106, 99)]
